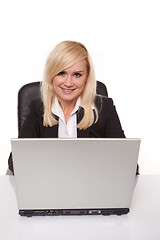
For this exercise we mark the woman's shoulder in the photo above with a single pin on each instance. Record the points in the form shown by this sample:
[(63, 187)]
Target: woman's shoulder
[(103, 101)]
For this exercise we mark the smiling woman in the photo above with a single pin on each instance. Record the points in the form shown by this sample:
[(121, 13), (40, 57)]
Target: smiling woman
[(68, 75), (70, 107)]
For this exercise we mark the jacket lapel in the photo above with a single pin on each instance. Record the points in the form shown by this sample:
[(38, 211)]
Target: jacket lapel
[(81, 133), (51, 132), (90, 132)]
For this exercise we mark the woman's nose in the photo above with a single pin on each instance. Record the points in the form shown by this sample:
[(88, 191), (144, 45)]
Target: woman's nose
[(68, 81)]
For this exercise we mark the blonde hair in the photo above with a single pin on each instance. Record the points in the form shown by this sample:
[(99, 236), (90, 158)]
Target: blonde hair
[(63, 56)]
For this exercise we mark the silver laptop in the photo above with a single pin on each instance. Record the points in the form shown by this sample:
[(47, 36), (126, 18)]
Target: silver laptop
[(74, 176)]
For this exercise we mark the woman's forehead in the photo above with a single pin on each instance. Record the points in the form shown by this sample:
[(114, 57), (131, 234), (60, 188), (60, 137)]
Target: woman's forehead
[(79, 66)]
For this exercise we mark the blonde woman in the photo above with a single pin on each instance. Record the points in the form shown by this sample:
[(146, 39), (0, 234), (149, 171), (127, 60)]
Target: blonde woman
[(70, 107)]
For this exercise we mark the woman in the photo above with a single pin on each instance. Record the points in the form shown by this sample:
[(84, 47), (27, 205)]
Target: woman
[(70, 107)]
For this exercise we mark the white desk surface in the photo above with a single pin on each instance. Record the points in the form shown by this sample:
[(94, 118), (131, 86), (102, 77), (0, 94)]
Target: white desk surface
[(143, 221)]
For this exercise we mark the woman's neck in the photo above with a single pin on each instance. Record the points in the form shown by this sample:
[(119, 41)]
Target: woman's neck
[(67, 108)]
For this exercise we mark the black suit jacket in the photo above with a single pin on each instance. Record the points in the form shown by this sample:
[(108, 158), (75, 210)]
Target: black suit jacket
[(107, 126)]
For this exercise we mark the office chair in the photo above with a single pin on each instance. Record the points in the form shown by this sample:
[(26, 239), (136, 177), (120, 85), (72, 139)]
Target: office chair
[(31, 92)]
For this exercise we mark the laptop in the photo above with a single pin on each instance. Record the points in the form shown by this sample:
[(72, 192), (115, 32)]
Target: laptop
[(74, 176)]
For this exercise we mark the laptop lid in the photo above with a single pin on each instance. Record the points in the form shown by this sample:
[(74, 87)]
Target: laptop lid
[(74, 176)]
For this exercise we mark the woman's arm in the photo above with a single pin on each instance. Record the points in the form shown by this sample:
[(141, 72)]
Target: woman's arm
[(113, 128)]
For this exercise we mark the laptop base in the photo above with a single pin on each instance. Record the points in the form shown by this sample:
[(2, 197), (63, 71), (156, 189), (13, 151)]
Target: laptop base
[(67, 212)]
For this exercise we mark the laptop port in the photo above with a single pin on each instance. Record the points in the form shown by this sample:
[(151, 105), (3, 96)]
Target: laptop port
[(95, 211), (51, 212), (74, 212)]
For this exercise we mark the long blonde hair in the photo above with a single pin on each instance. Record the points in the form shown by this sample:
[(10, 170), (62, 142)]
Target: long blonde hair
[(63, 56)]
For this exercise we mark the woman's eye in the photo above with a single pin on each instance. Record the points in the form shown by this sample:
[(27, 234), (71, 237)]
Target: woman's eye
[(77, 74), (61, 73)]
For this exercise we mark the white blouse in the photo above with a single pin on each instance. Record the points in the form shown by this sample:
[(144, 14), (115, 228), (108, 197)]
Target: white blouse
[(68, 130)]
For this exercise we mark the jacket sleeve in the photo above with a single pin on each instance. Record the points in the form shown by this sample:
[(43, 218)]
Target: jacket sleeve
[(111, 121)]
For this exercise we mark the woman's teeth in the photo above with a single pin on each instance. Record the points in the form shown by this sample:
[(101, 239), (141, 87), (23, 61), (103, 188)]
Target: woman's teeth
[(67, 90)]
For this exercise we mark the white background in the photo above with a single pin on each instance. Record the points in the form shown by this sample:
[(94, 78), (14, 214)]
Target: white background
[(123, 38)]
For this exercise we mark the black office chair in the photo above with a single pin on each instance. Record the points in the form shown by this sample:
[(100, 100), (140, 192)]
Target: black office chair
[(31, 92)]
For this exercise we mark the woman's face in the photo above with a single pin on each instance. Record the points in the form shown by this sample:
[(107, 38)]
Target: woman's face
[(69, 83)]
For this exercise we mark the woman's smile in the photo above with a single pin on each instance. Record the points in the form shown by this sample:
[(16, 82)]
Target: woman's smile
[(67, 91)]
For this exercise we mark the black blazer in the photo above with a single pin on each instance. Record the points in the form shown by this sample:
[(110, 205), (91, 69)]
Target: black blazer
[(107, 126)]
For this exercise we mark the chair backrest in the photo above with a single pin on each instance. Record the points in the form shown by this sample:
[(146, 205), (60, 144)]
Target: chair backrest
[(31, 92)]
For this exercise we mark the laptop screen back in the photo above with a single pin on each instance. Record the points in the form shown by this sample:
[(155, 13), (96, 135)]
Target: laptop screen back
[(74, 173)]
